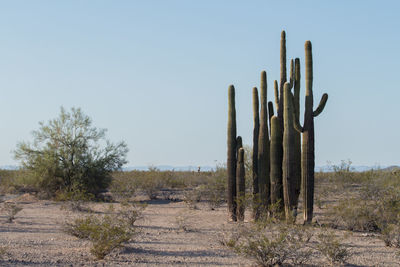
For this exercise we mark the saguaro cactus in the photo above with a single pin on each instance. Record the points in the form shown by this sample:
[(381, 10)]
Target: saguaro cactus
[(307, 130), (297, 137), (276, 161), (283, 76), (256, 131), (263, 147), (240, 185), (288, 163), (231, 159)]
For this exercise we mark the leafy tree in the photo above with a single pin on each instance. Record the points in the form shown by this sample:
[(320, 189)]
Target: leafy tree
[(69, 155)]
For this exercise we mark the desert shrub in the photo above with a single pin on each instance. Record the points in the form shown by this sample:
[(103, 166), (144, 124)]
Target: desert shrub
[(151, 183), (390, 234), (123, 185), (372, 208), (3, 252), (182, 223), (356, 215), (17, 181), (215, 189), (332, 248), (106, 232), (11, 209), (192, 197), (75, 200), (69, 154), (281, 243)]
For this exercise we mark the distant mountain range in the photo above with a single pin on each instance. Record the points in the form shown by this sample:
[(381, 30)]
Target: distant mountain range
[(325, 168)]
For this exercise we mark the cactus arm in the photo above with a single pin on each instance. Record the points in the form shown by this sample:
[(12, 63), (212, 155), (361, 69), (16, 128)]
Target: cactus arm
[(296, 123), (276, 93), (270, 109), (296, 87), (321, 105), (292, 73)]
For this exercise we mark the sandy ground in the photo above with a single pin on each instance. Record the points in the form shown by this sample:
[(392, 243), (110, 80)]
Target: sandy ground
[(171, 234)]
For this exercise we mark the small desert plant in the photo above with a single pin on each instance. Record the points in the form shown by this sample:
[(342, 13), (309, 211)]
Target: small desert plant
[(215, 190), (182, 222), (123, 185), (281, 243), (192, 197), (106, 232), (75, 200), (151, 182), (390, 234), (356, 215), (11, 209), (3, 252), (131, 212), (332, 248)]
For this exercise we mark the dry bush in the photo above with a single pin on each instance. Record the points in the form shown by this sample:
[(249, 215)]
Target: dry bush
[(3, 251), (272, 245), (332, 248), (11, 209), (390, 234)]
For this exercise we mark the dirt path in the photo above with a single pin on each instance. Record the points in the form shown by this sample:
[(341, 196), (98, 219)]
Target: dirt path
[(171, 235)]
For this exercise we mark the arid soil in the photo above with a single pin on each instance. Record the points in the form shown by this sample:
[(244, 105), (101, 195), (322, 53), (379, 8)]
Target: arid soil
[(170, 234)]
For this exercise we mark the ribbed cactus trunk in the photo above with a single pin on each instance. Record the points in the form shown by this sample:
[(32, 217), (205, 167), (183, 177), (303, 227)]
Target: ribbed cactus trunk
[(263, 148), (308, 156), (231, 157), (256, 132), (283, 76), (297, 136), (288, 163), (240, 183), (276, 162), (307, 130)]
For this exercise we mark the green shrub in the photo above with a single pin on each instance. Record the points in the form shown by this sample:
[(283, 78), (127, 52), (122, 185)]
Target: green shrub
[(106, 232), (69, 154)]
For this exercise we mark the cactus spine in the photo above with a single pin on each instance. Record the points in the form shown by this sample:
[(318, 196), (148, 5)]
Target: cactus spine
[(256, 131), (263, 147), (288, 163), (307, 130), (231, 157), (240, 183)]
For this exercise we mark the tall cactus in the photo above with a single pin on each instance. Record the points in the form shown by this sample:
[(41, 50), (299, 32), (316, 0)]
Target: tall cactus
[(297, 137), (288, 163), (276, 162), (240, 185), (231, 157), (263, 147), (256, 131), (307, 130), (283, 76)]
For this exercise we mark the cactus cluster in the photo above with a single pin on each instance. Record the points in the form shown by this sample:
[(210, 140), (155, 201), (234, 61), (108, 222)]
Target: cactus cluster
[(283, 166)]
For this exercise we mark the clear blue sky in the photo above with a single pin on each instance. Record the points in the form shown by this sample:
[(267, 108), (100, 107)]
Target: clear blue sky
[(156, 73)]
